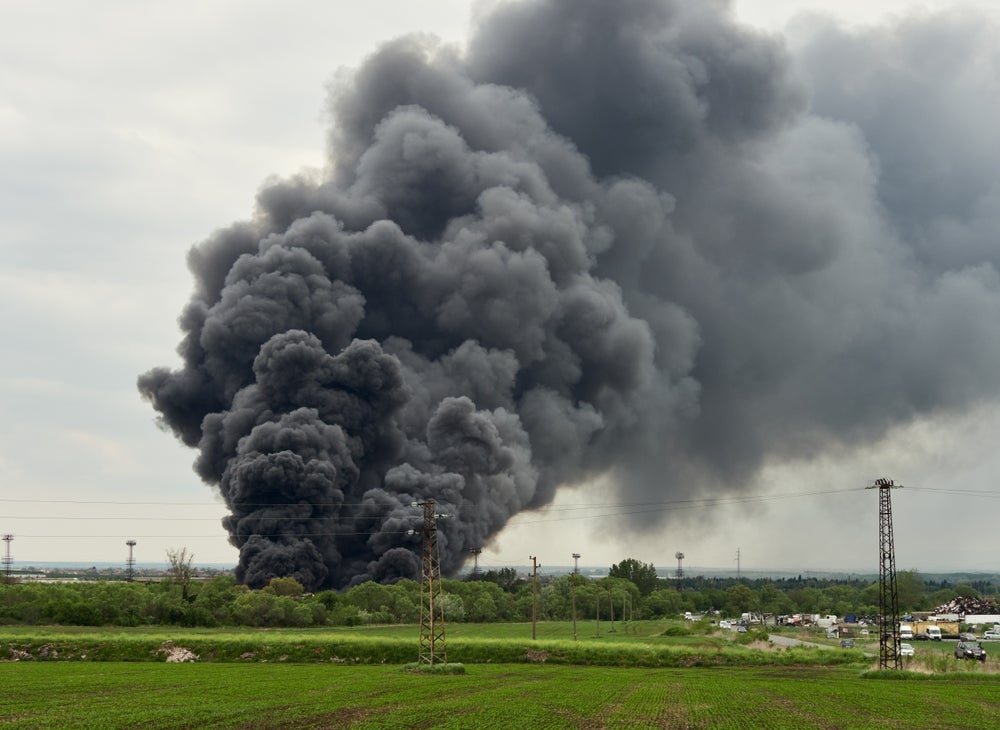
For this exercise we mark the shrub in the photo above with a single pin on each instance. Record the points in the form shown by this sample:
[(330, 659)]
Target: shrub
[(443, 668)]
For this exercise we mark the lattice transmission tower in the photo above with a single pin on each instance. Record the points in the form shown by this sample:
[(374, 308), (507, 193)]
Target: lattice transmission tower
[(130, 564), (432, 638), (888, 597)]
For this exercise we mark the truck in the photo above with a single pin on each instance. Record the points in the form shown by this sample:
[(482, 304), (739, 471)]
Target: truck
[(933, 630)]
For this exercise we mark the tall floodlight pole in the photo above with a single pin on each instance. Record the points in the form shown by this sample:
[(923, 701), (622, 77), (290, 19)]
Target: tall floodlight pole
[(572, 589), (888, 597), (8, 561), (432, 642), (680, 572), (130, 565), (475, 568)]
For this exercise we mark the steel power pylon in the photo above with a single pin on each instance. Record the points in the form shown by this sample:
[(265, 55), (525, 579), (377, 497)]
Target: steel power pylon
[(888, 633), (130, 565), (432, 642)]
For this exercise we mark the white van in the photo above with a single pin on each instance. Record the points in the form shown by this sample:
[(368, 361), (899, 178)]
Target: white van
[(905, 632), (933, 633)]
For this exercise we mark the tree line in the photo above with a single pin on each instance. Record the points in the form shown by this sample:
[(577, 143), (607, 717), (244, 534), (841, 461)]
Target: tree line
[(631, 591)]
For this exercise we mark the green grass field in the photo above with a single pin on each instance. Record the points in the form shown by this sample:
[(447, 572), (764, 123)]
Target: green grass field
[(643, 645), (77, 677), (129, 695)]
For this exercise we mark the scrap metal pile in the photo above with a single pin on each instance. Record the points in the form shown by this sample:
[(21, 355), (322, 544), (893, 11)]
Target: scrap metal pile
[(966, 605)]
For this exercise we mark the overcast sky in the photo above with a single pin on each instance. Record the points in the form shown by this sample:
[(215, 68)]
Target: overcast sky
[(130, 132)]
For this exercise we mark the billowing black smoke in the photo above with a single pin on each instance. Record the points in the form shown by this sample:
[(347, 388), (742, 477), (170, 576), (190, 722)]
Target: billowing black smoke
[(630, 239)]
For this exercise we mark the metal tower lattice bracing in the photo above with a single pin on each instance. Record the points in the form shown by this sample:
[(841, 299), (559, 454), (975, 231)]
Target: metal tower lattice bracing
[(432, 638), (888, 630), (130, 565)]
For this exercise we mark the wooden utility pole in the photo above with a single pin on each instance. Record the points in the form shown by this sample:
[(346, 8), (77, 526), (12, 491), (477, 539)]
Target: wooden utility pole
[(572, 589), (598, 594), (534, 597), (611, 608)]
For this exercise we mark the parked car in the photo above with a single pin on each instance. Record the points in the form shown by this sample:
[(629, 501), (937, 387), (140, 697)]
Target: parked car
[(970, 650), (906, 650), (847, 643), (967, 637), (991, 636)]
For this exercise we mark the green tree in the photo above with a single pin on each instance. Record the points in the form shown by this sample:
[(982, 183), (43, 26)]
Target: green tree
[(739, 599), (506, 578), (167, 606), (841, 599), (218, 595), (258, 608), (452, 607), (773, 599), (967, 591), (284, 587), (642, 575), (662, 603), (910, 590), (869, 598), (484, 608), (806, 600), (370, 596)]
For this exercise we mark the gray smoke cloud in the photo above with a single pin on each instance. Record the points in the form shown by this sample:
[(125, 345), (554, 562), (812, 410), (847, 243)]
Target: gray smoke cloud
[(634, 240)]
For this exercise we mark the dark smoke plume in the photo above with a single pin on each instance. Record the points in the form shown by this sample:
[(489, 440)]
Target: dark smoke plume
[(629, 239)]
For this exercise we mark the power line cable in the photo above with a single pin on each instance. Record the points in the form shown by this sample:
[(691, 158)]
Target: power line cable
[(709, 501)]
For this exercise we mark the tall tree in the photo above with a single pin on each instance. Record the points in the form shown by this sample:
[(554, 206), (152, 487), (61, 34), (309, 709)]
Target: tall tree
[(642, 575), (739, 599), (506, 578), (180, 568), (910, 588)]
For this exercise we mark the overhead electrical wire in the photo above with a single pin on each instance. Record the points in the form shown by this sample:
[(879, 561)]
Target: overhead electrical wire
[(710, 501), (624, 509)]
